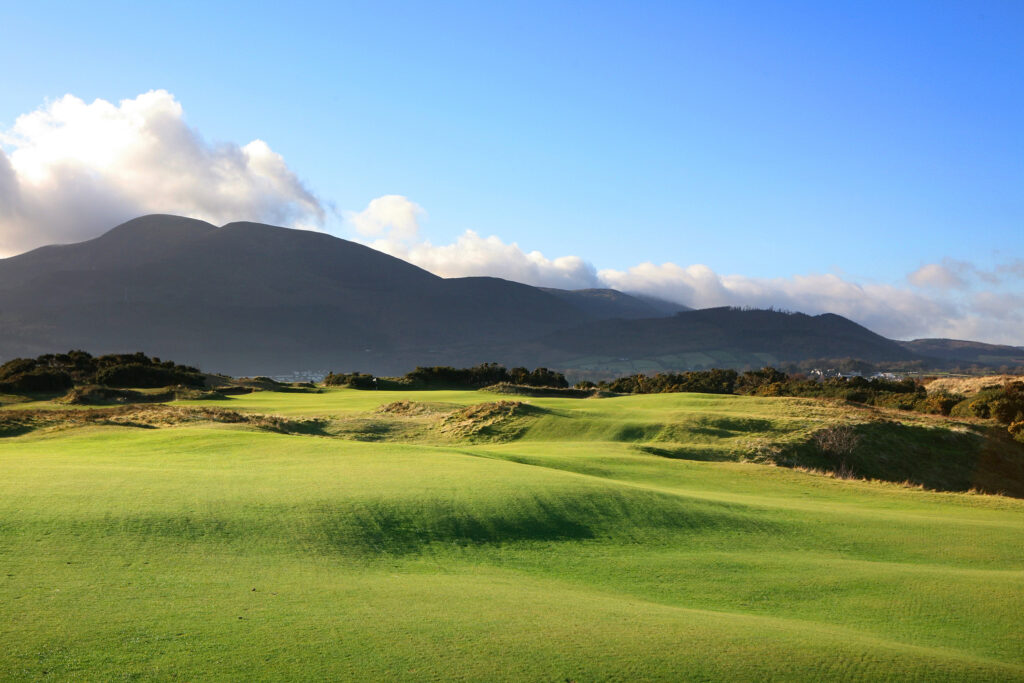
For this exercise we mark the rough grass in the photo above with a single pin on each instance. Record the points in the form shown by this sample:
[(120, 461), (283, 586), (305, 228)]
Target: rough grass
[(969, 385), (208, 549), (493, 421), (883, 444), (152, 416)]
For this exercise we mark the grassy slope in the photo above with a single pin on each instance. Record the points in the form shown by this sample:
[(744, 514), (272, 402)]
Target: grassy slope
[(568, 553)]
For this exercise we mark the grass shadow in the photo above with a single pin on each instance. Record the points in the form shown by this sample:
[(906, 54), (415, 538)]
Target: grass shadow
[(936, 458), (407, 527), (681, 452)]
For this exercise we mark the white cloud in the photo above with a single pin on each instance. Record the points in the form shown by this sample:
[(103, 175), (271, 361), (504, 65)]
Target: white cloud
[(940, 307), (963, 275), (72, 170), (392, 214), (936, 276), (395, 220), (888, 310), (472, 254), (1013, 269)]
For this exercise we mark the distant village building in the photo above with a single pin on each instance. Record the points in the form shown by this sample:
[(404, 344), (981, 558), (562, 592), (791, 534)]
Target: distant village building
[(822, 374)]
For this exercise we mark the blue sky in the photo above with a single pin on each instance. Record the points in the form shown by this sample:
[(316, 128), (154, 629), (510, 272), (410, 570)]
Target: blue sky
[(765, 140)]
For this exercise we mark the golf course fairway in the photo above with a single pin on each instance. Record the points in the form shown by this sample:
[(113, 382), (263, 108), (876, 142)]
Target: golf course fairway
[(536, 539)]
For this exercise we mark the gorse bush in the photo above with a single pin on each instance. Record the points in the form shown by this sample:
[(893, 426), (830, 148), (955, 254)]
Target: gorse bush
[(36, 381), (698, 381), (447, 377), (1005, 406), (484, 375), (356, 380), (141, 375), (59, 372)]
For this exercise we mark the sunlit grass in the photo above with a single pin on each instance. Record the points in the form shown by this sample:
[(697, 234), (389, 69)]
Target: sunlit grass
[(219, 551)]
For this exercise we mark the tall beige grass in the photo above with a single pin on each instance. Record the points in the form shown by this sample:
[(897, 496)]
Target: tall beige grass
[(969, 385)]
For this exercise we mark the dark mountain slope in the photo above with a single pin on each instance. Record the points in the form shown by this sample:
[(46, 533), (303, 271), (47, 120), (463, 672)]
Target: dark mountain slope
[(785, 336), (663, 307), (169, 261), (251, 298), (610, 303), (967, 352), (255, 298), (138, 241)]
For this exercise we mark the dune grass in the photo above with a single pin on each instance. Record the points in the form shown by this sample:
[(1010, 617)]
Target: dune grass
[(563, 552)]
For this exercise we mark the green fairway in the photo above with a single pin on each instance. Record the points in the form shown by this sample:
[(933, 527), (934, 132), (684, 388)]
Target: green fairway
[(593, 539)]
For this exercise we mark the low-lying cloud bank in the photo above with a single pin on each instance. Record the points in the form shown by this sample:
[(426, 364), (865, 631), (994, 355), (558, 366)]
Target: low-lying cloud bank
[(71, 169), (939, 300)]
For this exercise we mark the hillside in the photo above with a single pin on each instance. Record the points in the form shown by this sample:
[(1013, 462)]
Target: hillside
[(967, 352), (248, 298), (714, 337), (610, 303), (451, 535)]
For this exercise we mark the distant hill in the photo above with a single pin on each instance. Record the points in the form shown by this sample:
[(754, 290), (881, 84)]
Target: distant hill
[(967, 352), (713, 337), (248, 298)]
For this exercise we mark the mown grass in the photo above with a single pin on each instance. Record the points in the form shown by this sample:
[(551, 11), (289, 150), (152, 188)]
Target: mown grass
[(207, 550)]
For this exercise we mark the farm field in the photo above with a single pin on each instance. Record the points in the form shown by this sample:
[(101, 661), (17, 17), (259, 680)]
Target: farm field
[(435, 538)]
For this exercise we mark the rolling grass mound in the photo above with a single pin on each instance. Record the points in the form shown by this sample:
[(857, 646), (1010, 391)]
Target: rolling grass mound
[(471, 537), (493, 421)]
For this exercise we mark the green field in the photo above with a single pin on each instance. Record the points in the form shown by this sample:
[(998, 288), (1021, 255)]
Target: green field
[(581, 540)]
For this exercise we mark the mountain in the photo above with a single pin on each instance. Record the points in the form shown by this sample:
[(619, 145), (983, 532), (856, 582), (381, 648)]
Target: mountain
[(967, 352), (713, 337), (249, 298), (611, 303)]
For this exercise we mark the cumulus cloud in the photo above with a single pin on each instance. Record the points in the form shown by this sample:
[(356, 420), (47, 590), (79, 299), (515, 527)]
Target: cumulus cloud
[(472, 254), (893, 311), (889, 310), (938, 305), (395, 220), (936, 276), (71, 170), (392, 214), (956, 274), (1013, 269)]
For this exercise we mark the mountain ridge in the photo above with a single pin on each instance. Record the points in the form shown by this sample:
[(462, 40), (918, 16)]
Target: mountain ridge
[(253, 298), (967, 351)]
